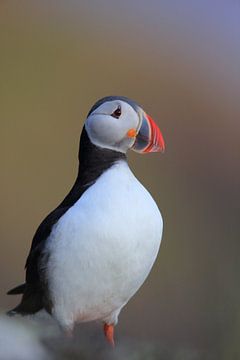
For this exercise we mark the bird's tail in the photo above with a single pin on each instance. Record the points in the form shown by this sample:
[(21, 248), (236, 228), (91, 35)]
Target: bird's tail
[(17, 290), (31, 302), (11, 312)]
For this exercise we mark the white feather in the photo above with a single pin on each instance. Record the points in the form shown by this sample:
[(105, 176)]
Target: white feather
[(109, 133), (102, 249)]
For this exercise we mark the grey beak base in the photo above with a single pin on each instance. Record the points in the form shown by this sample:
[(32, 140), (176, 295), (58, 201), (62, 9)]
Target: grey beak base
[(143, 137)]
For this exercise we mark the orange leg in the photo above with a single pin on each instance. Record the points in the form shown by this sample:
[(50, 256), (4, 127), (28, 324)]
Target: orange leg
[(109, 333)]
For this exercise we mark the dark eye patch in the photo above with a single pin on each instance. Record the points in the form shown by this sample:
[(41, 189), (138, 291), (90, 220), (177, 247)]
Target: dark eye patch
[(117, 113)]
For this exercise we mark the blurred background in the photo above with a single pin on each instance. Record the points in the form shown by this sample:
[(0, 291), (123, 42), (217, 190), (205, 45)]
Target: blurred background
[(181, 61)]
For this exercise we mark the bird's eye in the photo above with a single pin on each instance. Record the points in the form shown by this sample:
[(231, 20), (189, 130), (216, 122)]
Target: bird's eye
[(117, 113)]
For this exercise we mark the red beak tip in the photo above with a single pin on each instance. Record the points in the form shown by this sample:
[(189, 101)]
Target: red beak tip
[(157, 137), (163, 147)]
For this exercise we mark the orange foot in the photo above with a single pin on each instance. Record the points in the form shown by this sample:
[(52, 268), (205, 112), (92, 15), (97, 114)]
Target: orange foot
[(109, 333)]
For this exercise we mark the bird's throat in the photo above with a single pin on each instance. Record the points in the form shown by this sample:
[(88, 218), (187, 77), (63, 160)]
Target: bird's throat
[(93, 160)]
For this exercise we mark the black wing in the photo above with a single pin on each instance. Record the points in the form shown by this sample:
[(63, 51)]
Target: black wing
[(35, 289), (35, 296)]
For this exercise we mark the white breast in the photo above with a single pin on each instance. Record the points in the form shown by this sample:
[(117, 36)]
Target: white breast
[(102, 248)]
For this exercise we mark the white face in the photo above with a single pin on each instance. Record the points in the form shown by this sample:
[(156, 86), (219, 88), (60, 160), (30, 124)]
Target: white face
[(109, 124)]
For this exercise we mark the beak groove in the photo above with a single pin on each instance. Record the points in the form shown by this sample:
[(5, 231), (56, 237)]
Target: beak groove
[(149, 137)]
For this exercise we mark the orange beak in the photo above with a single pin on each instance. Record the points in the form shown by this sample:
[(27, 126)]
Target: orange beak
[(149, 137)]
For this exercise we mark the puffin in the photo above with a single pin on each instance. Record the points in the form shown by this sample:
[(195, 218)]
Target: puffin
[(92, 253)]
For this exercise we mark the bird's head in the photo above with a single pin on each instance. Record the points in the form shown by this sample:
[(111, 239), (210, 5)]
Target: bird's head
[(119, 124)]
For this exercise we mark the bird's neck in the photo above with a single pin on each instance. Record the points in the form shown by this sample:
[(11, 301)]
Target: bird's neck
[(93, 160)]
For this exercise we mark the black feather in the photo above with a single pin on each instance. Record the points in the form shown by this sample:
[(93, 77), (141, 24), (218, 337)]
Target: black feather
[(17, 290)]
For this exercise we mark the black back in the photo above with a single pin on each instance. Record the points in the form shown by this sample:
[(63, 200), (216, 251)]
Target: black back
[(93, 161)]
